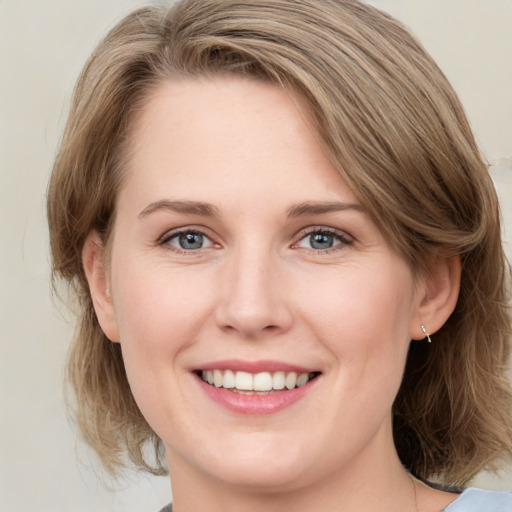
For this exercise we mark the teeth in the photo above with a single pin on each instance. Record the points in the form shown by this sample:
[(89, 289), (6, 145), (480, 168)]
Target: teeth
[(278, 380), (218, 378), (302, 379), (229, 380), (243, 381), (264, 381), (291, 380)]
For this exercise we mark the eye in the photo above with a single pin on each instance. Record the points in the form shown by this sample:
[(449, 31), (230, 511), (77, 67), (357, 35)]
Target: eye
[(323, 240), (188, 240)]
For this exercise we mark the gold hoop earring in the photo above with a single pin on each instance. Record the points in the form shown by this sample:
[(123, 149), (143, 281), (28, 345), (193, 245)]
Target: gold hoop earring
[(426, 333)]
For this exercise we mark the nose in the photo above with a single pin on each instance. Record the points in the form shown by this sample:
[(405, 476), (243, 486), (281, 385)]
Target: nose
[(253, 299)]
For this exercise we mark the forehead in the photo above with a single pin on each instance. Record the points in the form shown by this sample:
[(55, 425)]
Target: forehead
[(219, 137)]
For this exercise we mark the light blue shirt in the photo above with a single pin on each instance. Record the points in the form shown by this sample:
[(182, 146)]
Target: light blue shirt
[(471, 500), (478, 500)]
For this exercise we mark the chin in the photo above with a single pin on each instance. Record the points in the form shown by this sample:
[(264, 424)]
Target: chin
[(263, 475), (263, 464)]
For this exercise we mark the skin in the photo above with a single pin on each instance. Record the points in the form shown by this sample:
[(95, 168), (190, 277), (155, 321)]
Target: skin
[(257, 289)]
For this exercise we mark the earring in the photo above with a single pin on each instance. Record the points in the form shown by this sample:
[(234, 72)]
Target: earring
[(426, 333)]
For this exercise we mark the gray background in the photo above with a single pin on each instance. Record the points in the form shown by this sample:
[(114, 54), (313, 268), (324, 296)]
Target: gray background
[(43, 45)]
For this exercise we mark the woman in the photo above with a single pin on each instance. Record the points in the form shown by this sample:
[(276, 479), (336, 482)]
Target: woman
[(260, 204)]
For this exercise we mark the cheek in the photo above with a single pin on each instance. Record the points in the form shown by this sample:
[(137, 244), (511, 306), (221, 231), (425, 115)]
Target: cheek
[(159, 314), (363, 318), (156, 324), (371, 306), (155, 306)]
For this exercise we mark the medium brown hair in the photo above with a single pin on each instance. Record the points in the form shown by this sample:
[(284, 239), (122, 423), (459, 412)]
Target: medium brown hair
[(394, 129)]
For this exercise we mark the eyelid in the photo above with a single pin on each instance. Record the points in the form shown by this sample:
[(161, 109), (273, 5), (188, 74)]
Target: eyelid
[(172, 233), (343, 236)]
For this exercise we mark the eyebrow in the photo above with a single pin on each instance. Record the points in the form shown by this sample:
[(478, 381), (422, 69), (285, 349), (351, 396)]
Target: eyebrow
[(209, 210), (190, 207), (318, 208)]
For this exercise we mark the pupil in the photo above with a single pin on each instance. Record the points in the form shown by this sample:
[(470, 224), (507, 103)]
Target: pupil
[(321, 241), (191, 240)]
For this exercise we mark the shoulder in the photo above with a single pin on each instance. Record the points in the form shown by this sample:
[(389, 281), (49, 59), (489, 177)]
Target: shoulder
[(167, 508), (478, 500)]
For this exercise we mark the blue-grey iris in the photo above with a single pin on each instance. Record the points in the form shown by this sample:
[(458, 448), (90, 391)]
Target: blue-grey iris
[(191, 241), (322, 241)]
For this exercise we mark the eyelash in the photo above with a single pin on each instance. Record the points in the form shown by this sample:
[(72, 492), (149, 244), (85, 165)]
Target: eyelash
[(343, 238), (167, 237)]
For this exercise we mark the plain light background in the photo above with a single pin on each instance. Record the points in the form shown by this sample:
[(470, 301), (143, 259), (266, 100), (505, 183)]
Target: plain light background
[(43, 45)]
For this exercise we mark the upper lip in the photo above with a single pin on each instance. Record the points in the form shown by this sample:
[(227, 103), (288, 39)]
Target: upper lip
[(254, 366)]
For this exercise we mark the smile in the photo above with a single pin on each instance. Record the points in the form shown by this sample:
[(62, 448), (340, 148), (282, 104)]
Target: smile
[(256, 383), (255, 388)]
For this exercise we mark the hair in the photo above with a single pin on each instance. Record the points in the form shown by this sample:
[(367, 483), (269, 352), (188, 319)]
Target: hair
[(395, 131)]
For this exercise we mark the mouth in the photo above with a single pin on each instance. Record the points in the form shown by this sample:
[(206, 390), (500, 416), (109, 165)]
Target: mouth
[(256, 387), (261, 383)]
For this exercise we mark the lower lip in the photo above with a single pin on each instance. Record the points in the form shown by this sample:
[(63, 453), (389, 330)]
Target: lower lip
[(255, 404)]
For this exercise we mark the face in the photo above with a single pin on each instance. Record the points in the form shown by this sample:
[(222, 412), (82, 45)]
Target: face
[(240, 257)]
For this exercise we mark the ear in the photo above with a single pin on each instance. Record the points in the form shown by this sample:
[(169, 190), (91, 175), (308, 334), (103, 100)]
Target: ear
[(92, 260), (438, 294)]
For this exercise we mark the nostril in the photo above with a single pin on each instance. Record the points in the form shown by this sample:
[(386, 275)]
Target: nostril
[(250, 330)]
